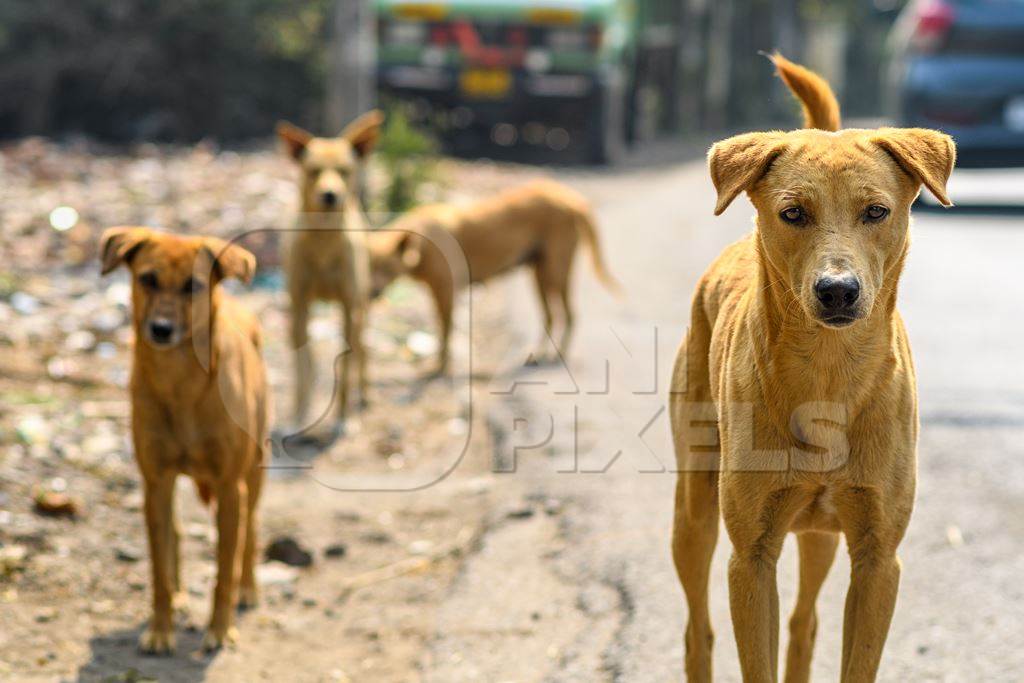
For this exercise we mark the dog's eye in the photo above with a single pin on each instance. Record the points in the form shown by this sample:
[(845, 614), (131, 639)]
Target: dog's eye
[(192, 286), (793, 214), (876, 212), (149, 281)]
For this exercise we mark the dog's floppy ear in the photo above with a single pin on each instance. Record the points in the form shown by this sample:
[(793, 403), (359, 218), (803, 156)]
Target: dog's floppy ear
[(739, 162), (364, 132), (119, 245), (294, 138), (230, 260), (926, 155)]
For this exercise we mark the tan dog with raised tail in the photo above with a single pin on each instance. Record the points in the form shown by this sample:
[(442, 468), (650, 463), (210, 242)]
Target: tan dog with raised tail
[(793, 401), (199, 408), (327, 258)]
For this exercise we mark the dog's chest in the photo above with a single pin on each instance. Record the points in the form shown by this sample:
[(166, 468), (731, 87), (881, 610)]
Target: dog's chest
[(328, 266)]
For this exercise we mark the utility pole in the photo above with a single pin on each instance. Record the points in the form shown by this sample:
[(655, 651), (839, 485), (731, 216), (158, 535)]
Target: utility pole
[(352, 74)]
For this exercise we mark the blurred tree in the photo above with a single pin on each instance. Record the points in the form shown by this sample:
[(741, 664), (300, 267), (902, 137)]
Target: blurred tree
[(159, 69), (409, 158), (352, 77)]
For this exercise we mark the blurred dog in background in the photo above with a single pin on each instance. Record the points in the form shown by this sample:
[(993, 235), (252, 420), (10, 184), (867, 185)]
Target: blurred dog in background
[(327, 258), (199, 408), (447, 247)]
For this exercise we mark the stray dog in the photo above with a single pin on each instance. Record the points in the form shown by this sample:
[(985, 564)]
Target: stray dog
[(199, 408), (794, 405), (327, 258), (538, 224)]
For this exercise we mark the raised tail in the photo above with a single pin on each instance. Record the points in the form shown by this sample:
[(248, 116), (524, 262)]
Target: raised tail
[(821, 108), (587, 230)]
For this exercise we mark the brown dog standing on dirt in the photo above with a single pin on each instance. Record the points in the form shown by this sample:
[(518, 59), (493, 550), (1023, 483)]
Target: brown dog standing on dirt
[(327, 257), (199, 408), (539, 224), (797, 355)]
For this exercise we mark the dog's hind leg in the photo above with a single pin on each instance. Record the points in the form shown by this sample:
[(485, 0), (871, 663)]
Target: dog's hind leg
[(179, 599), (541, 350), (695, 524), (444, 299), (568, 318), (817, 551)]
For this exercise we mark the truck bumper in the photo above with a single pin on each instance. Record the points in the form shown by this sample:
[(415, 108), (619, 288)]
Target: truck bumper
[(436, 97)]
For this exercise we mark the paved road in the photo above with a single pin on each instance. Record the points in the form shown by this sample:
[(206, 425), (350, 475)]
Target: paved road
[(590, 594)]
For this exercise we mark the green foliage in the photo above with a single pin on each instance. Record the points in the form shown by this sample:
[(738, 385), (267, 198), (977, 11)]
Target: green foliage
[(156, 69), (409, 158)]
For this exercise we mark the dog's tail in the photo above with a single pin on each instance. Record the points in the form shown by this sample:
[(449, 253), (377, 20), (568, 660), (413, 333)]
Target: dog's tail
[(821, 108), (588, 231)]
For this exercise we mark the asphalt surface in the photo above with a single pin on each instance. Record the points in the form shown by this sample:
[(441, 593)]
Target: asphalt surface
[(594, 596)]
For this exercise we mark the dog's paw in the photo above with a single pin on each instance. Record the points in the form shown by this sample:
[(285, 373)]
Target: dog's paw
[(248, 597), (216, 638), (179, 603), (156, 641), (537, 358)]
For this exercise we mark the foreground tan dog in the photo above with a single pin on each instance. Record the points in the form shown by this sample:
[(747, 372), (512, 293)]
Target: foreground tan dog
[(327, 257), (797, 354), (539, 224), (199, 408)]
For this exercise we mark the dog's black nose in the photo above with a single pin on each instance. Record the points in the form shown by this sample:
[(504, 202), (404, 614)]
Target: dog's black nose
[(329, 198), (837, 292), (161, 330)]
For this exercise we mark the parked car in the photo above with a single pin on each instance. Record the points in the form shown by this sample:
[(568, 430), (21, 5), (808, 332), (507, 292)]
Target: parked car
[(590, 74), (958, 65)]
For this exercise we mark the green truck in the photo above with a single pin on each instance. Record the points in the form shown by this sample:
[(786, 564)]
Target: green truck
[(590, 75)]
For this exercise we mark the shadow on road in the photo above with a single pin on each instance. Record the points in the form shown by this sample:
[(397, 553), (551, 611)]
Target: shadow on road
[(116, 657)]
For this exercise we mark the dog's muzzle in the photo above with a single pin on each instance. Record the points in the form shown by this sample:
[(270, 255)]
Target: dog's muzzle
[(838, 297), (161, 332)]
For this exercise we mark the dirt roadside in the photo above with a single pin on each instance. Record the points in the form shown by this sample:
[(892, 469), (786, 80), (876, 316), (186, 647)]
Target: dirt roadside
[(74, 592)]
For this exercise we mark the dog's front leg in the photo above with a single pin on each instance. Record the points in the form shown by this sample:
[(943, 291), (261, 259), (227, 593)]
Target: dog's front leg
[(303, 359), (232, 508), (348, 332), (158, 638), (757, 516), (873, 533), (358, 327)]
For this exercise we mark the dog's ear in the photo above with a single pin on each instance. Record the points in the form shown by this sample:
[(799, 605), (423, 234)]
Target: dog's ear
[(364, 132), (230, 260), (294, 138), (119, 245), (739, 162), (926, 155)]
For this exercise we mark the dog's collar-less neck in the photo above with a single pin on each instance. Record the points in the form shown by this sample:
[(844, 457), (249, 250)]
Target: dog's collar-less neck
[(195, 356), (845, 364)]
